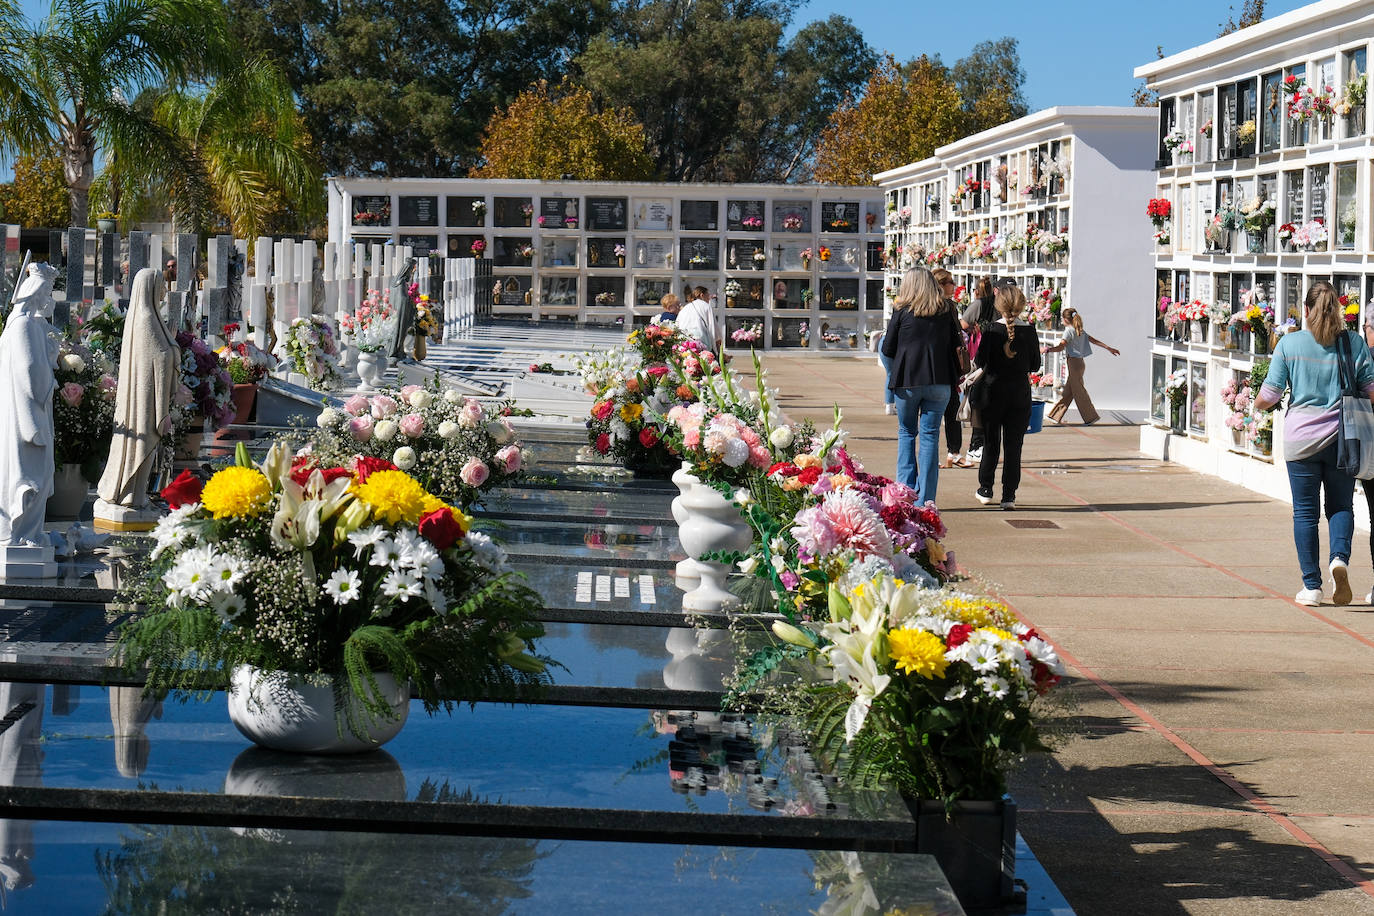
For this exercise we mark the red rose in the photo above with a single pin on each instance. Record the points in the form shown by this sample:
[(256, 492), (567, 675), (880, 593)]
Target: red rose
[(958, 635), (183, 491), (648, 437), (364, 466), (440, 528), (603, 443), (602, 410)]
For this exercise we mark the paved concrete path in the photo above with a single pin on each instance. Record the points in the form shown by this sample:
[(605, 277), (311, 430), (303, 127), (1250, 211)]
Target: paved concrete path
[(1220, 757)]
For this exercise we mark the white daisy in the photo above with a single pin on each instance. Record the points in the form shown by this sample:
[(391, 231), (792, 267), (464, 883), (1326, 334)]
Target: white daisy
[(403, 584), (994, 686), (486, 553), (386, 553), (364, 538), (227, 605), (342, 585)]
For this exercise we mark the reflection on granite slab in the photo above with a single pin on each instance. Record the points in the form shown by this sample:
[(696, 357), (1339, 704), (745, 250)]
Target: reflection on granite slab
[(650, 546), (96, 867)]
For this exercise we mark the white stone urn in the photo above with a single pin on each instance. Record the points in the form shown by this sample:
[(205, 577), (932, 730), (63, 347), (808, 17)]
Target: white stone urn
[(688, 574), (69, 492), (290, 712), (713, 523), (371, 366)]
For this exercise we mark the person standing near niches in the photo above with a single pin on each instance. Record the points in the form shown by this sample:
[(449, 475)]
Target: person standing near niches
[(876, 343), (954, 429), (1008, 353), (671, 305), (922, 340), (1368, 485), (1078, 346), (1307, 364), (698, 321), (975, 321)]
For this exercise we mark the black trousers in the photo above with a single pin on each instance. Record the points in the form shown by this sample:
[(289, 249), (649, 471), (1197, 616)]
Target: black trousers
[(1004, 428), (1369, 498), (954, 430)]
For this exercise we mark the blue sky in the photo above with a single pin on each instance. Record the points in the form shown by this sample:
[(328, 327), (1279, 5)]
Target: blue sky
[(1074, 52)]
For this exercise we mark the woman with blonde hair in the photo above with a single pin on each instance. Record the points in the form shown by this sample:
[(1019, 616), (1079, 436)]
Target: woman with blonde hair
[(922, 341), (1008, 353), (1307, 364), (1079, 344)]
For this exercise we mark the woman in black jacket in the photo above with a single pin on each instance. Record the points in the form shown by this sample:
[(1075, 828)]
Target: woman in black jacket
[(1008, 353), (922, 341)]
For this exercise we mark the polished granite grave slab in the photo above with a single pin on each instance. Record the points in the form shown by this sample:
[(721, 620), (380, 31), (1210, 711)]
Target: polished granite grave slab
[(52, 867), (635, 546), (539, 770), (643, 507)]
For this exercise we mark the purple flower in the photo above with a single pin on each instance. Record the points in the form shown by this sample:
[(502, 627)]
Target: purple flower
[(790, 580)]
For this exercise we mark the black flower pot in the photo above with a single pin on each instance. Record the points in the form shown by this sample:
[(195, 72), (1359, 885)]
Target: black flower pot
[(975, 847)]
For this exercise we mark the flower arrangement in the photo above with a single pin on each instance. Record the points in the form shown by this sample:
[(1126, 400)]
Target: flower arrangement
[(1350, 308), (478, 246), (455, 447), (760, 256), (733, 288), (542, 221), (1041, 380), (845, 303), (570, 222), (748, 333), (1306, 103), (1245, 133), (1174, 140), (338, 571), (1238, 397), (1218, 230), (1353, 97), (1038, 310), (1051, 244), (479, 210), (905, 214), (1159, 209), (378, 217), (752, 223), (1285, 232), (1311, 235), (1161, 236), (792, 223), (314, 349), (427, 323), (373, 325), (83, 408), (807, 295), (1206, 128), (1256, 314), (527, 209), (605, 298), (1257, 214), (204, 387), (247, 364), (805, 255), (840, 224), (526, 251), (869, 219), (1219, 312), (1176, 387), (823, 253), (619, 250)]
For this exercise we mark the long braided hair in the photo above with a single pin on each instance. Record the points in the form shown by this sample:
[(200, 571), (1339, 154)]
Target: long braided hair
[(1009, 302)]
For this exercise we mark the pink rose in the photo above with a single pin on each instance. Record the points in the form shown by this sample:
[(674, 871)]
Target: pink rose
[(657, 371), (408, 390), (383, 406), (602, 409), (474, 473), (510, 455), (356, 405), (360, 428), (413, 425), (108, 383), (72, 393)]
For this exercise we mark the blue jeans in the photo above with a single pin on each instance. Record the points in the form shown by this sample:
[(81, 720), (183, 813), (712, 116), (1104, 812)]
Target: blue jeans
[(1308, 478), (919, 411), (888, 396)]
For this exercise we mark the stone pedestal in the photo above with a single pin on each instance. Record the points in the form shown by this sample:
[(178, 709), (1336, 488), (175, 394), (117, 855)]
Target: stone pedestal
[(113, 517), (27, 562)]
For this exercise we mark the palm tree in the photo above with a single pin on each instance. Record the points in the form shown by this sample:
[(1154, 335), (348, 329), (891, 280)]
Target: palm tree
[(245, 152), (85, 60)]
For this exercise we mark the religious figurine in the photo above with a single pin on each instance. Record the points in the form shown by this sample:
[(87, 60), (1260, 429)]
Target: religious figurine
[(28, 359), (149, 364), (405, 310)]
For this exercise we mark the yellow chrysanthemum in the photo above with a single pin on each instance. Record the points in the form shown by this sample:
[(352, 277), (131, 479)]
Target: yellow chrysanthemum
[(394, 496), (973, 612), (631, 412), (432, 503), (918, 652), (236, 492), (1352, 310), (996, 631)]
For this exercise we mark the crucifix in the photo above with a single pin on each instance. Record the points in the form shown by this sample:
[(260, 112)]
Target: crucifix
[(778, 254)]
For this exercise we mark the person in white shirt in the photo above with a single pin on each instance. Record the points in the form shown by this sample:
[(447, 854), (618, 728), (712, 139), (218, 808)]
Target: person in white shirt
[(698, 320)]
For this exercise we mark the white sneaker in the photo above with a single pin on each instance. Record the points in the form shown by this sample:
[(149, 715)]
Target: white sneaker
[(975, 454), (1008, 504), (889, 408), (1340, 583), (1309, 597), (983, 496), (1369, 599)]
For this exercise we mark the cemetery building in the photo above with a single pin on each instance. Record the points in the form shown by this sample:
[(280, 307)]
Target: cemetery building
[(1042, 200), (797, 265), (1262, 151)]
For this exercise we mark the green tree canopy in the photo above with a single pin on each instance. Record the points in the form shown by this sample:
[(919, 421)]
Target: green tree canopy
[(550, 135), (38, 194)]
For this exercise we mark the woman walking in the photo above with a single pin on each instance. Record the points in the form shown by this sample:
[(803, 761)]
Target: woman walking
[(980, 313), (1306, 363), (1078, 344), (954, 429), (1368, 485), (922, 341), (1008, 354)]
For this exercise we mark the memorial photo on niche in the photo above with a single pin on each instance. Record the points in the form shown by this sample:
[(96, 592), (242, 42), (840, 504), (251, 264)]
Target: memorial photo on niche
[(606, 214)]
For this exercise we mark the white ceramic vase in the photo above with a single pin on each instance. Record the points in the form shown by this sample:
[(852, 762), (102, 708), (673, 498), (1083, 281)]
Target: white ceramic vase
[(713, 523), (688, 575), (289, 712), (370, 369)]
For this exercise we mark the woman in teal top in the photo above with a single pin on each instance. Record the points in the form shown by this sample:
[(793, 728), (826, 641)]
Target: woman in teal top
[(1305, 364)]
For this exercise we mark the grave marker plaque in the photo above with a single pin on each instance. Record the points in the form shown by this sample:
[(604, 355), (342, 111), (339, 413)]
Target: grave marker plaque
[(514, 291), (422, 244), (700, 215), (792, 217), (511, 211), (700, 254), (459, 246), (741, 254), (601, 251), (839, 216), (648, 291), (653, 253), (655, 213), (745, 215), (372, 210), (458, 211), (606, 214), (558, 212), (419, 211)]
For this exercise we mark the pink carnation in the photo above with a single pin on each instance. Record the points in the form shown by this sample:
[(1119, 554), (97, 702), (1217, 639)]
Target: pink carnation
[(360, 428), (356, 406), (657, 371), (413, 425), (383, 406), (759, 457), (510, 455), (72, 393), (691, 438), (108, 383), (474, 473)]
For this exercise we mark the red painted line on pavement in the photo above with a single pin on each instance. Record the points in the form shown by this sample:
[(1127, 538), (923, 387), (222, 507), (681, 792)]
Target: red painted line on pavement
[(1192, 556)]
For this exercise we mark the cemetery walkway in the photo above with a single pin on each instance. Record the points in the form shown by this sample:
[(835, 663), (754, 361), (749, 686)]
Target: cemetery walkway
[(1220, 747)]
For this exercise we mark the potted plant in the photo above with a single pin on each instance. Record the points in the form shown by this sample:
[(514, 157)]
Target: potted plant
[(479, 247), (370, 328), (620, 255), (247, 365), (83, 423), (527, 211), (313, 345), (319, 596), (732, 290), (479, 211), (107, 221)]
